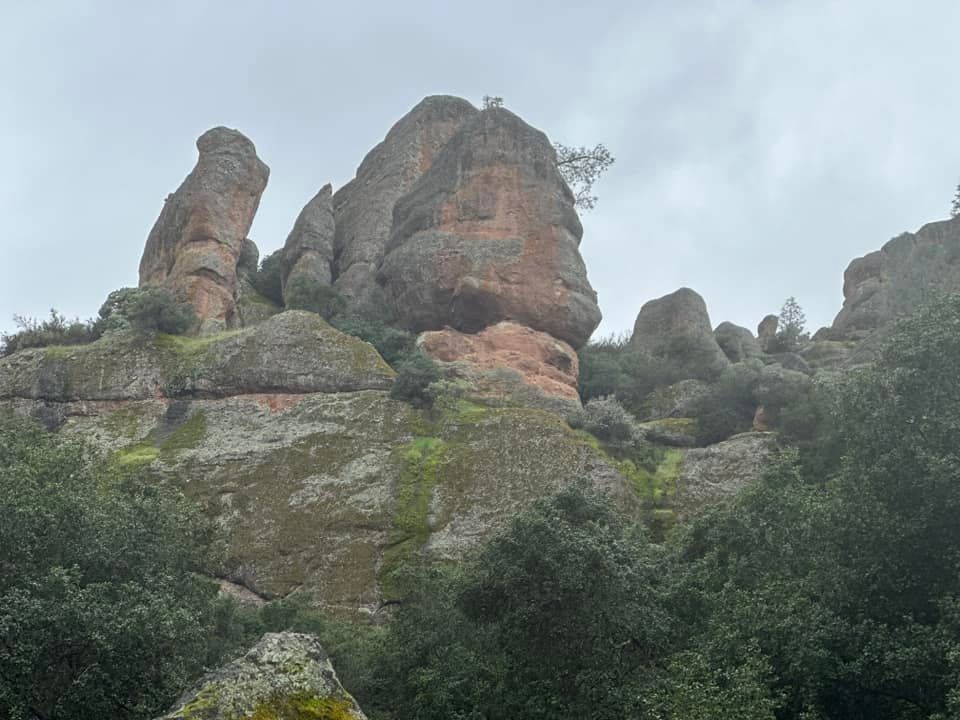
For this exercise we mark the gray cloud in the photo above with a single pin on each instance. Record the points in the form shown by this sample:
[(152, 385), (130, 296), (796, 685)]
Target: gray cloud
[(760, 146)]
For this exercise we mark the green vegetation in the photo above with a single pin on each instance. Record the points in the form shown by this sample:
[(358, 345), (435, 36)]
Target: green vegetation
[(103, 610), (306, 294), (267, 280), (146, 311), (54, 331), (414, 376)]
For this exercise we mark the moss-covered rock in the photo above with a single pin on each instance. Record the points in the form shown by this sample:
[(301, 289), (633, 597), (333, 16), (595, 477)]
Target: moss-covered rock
[(295, 352), (286, 676), (674, 431)]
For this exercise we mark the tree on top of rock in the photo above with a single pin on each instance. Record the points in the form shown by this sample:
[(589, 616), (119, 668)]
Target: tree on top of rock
[(581, 167), (955, 207), (792, 325)]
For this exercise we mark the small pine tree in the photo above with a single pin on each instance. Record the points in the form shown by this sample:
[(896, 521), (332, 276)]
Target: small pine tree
[(492, 101), (955, 207), (792, 325)]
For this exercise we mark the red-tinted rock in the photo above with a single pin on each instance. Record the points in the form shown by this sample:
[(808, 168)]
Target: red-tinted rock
[(538, 361), (196, 243), (489, 234)]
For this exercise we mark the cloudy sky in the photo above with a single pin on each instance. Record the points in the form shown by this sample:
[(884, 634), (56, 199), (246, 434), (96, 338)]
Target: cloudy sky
[(760, 145)]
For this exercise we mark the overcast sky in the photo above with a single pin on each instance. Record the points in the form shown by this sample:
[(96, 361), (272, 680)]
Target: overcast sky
[(760, 146)]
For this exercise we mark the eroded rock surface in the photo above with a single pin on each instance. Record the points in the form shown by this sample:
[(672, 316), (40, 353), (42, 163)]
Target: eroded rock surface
[(511, 362), (676, 328), (197, 242), (364, 206), (895, 280), (308, 251), (489, 234), (737, 342), (718, 471), (285, 675), (293, 352)]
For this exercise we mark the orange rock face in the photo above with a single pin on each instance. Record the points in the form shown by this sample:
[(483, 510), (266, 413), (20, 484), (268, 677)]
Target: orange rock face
[(541, 361), (194, 247), (490, 234)]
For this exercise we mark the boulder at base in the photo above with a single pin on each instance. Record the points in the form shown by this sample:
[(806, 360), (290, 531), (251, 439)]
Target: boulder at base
[(285, 675)]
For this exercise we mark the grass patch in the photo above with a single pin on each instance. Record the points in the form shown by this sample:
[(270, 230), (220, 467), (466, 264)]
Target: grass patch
[(186, 437), (139, 454)]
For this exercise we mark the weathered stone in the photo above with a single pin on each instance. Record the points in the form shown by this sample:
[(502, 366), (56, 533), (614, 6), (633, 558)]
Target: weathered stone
[(329, 493), (674, 431), (893, 281), (791, 361), (679, 400), (364, 206), (488, 234), (676, 328), (294, 352), (542, 365), (285, 675), (308, 251), (737, 342), (767, 332), (718, 471), (249, 259), (195, 245)]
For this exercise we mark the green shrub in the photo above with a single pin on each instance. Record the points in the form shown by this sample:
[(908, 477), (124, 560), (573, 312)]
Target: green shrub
[(414, 376), (610, 367), (267, 280), (147, 310), (306, 294), (368, 324), (104, 612), (730, 405), (617, 430), (55, 330)]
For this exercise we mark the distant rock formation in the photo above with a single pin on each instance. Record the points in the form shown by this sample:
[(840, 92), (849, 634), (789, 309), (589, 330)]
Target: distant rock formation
[(737, 342), (196, 243), (506, 359), (364, 206), (767, 332), (489, 234), (308, 251), (892, 281), (676, 327), (285, 675)]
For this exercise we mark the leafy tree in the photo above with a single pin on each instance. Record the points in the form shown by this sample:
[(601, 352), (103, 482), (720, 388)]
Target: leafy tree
[(103, 612), (147, 310), (306, 294), (492, 101), (581, 167), (414, 375), (267, 280)]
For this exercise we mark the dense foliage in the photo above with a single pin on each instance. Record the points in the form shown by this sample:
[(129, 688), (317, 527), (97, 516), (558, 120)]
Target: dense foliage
[(55, 330), (102, 611), (147, 310), (828, 590), (268, 278)]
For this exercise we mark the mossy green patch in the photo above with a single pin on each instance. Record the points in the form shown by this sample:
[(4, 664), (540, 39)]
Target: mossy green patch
[(303, 706), (186, 437), (139, 454), (421, 459)]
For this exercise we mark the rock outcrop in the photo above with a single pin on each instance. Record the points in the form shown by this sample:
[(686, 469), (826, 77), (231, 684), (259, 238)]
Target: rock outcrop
[(293, 352), (676, 328), (712, 473), (285, 675), (308, 251), (895, 280), (490, 234), (511, 363), (364, 206), (767, 332), (737, 342), (197, 242)]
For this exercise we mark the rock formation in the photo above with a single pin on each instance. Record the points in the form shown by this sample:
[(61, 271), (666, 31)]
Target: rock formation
[(737, 342), (712, 473), (285, 675), (489, 234), (507, 358), (767, 332), (676, 328), (308, 251), (364, 206), (893, 281), (196, 244)]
